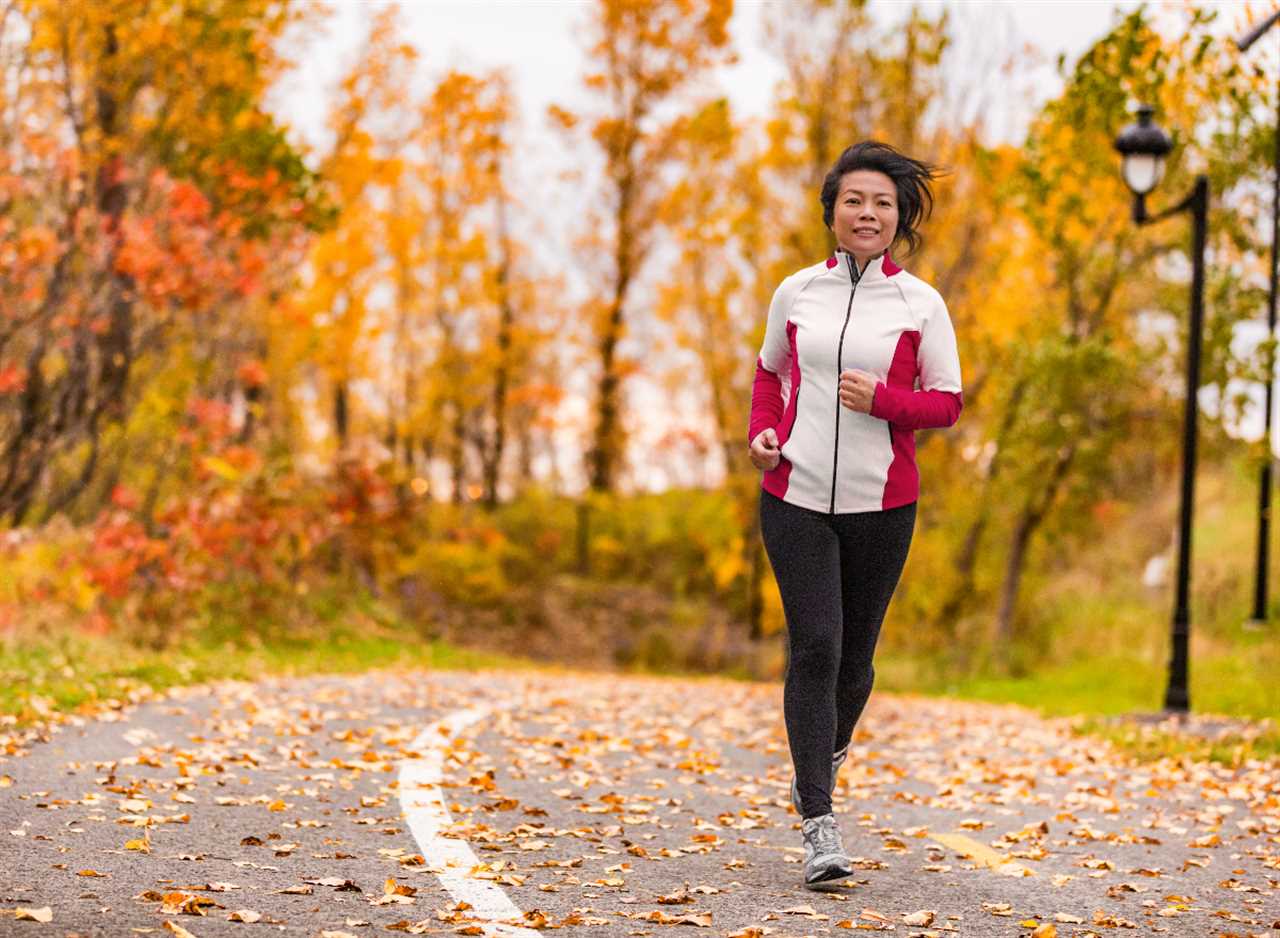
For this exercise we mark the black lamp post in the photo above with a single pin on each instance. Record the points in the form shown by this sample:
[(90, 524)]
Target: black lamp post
[(1264, 497), (1144, 147)]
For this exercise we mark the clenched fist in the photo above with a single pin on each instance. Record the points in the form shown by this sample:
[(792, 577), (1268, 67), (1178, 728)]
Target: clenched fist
[(857, 390), (765, 451)]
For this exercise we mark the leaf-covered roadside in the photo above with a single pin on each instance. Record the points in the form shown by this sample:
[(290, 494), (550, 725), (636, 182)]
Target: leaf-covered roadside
[(626, 804)]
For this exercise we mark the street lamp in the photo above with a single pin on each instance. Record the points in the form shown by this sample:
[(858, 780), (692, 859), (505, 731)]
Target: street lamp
[(1144, 146), (1264, 495)]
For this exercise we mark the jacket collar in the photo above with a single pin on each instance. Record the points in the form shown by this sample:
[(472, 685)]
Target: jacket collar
[(878, 268)]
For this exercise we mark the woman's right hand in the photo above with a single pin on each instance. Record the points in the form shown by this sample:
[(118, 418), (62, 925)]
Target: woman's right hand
[(765, 451)]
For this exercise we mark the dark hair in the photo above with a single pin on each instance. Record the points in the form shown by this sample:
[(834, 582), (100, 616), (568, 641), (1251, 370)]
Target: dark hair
[(911, 177)]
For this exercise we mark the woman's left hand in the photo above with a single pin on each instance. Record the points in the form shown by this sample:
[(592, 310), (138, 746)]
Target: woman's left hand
[(857, 390)]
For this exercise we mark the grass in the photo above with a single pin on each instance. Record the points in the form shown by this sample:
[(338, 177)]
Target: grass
[(1234, 705), (70, 672), (1149, 743)]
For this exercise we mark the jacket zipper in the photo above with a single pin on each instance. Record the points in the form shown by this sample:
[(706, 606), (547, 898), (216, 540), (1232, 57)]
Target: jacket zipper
[(855, 276)]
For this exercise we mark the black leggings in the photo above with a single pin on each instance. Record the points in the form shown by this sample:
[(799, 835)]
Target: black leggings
[(836, 575)]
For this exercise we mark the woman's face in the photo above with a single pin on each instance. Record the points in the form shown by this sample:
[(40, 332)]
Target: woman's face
[(865, 218)]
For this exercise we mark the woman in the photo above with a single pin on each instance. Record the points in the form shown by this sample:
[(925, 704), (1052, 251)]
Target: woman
[(857, 355)]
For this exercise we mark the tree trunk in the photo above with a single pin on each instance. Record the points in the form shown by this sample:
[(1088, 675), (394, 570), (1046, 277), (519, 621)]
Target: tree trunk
[(340, 414), (458, 455), (755, 603), (506, 320), (607, 448), (524, 458), (252, 404), (967, 557), (1032, 515), (1013, 578)]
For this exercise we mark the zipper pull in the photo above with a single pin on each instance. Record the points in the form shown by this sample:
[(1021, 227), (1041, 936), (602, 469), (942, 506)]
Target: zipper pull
[(854, 274)]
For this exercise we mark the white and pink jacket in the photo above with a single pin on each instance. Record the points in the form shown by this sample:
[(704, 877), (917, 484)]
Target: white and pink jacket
[(826, 319)]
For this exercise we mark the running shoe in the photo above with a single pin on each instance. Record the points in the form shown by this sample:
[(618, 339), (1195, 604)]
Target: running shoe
[(824, 856)]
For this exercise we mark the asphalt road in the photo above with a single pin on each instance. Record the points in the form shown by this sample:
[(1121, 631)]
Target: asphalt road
[(610, 806)]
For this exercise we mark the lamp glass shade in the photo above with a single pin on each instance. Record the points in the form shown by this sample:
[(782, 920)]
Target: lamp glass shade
[(1142, 171)]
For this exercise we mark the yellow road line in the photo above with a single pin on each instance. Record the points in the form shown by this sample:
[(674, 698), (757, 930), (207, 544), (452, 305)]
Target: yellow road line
[(981, 854)]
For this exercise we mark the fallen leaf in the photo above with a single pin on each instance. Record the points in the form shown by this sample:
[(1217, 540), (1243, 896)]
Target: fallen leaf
[(42, 914), (244, 915), (392, 888), (179, 903), (700, 919), (679, 897), (337, 882), (392, 899), (800, 910)]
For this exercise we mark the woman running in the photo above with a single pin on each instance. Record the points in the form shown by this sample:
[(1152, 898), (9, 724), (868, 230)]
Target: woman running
[(857, 355)]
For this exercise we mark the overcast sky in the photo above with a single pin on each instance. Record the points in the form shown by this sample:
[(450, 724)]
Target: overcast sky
[(538, 41)]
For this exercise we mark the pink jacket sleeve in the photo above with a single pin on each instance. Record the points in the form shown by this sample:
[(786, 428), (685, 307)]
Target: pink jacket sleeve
[(773, 362), (939, 400)]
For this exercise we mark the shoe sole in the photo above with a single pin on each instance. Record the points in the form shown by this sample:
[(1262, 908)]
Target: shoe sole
[(827, 874)]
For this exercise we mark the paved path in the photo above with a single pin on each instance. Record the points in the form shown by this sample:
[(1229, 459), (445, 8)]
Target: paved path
[(610, 806)]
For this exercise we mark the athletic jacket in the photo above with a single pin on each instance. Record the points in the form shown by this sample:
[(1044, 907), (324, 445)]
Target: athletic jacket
[(826, 319)]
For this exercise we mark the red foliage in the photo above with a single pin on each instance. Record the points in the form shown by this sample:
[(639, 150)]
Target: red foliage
[(251, 373), (12, 379), (245, 520)]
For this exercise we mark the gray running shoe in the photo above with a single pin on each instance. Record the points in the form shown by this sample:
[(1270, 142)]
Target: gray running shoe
[(824, 856), (837, 760)]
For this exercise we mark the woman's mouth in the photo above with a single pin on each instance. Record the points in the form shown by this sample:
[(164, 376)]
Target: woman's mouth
[(866, 232)]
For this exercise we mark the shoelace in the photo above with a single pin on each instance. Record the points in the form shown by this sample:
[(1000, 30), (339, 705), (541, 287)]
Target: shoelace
[(826, 836)]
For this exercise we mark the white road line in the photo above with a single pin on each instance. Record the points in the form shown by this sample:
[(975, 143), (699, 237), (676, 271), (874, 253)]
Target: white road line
[(424, 808)]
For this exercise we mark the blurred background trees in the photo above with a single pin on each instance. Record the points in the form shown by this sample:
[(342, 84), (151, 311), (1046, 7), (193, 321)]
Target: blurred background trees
[(232, 371)]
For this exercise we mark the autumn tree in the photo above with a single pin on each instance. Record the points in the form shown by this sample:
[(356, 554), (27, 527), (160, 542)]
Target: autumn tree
[(347, 265), (464, 136), (848, 77), (144, 187), (644, 53), (1076, 379)]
